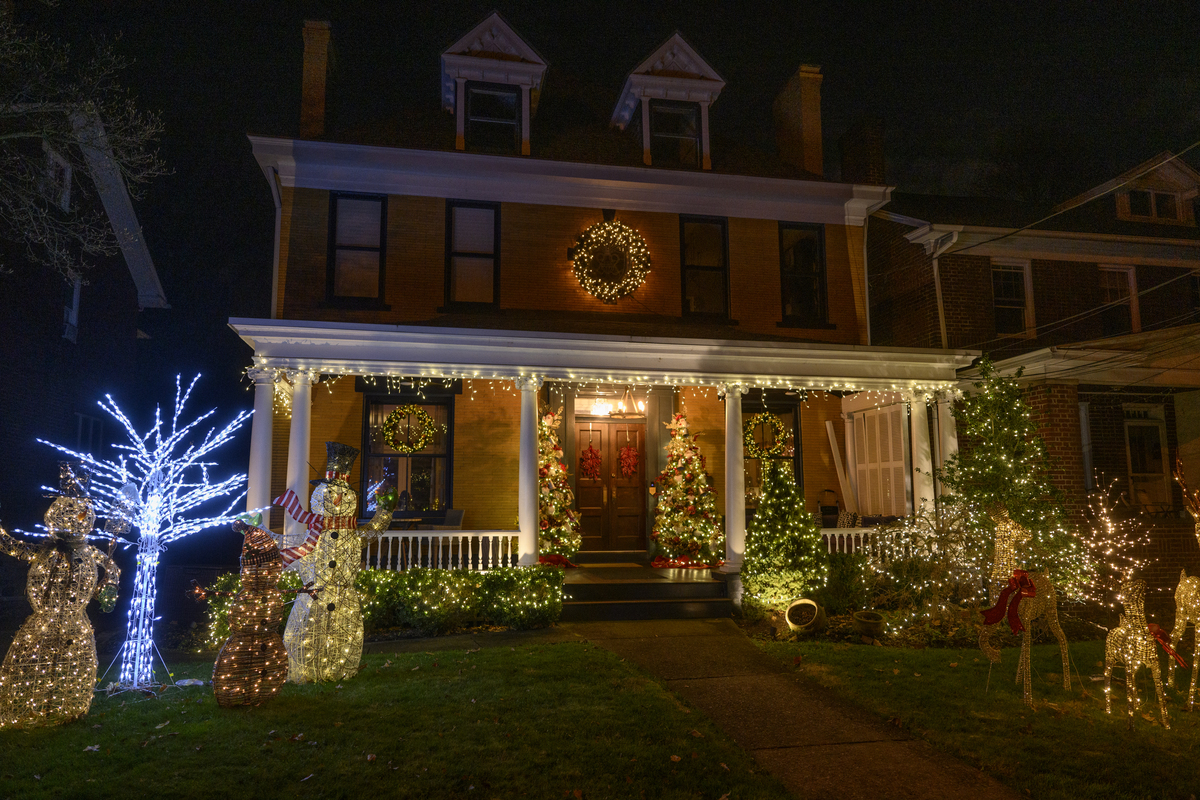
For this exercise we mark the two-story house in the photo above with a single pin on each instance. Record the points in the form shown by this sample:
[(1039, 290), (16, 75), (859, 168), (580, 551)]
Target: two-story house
[(1098, 299), (622, 268)]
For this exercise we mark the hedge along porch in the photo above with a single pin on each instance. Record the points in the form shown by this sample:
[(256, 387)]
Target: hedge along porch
[(501, 374)]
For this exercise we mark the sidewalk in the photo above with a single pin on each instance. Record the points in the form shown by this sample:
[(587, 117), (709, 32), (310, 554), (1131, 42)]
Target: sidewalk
[(817, 745)]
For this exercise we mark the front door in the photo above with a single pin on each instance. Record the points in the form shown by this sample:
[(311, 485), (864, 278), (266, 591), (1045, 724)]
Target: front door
[(610, 469)]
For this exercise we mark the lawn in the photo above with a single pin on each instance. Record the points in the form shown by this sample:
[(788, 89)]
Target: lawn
[(1067, 748), (543, 721)]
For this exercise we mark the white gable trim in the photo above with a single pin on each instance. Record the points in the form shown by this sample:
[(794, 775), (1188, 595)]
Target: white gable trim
[(471, 176), (673, 71), (512, 59)]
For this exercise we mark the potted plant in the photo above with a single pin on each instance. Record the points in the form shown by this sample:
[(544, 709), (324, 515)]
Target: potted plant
[(805, 616), (869, 623)]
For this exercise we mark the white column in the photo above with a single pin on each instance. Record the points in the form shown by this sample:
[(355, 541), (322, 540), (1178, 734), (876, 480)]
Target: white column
[(851, 458), (524, 120), (646, 130), (460, 113), (298, 449), (706, 160), (947, 432), (922, 453), (527, 469), (258, 474), (735, 480)]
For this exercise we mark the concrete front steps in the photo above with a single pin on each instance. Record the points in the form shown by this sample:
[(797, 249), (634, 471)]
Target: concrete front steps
[(622, 586)]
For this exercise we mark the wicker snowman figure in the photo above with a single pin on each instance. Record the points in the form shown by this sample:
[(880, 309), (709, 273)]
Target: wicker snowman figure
[(49, 673), (324, 636)]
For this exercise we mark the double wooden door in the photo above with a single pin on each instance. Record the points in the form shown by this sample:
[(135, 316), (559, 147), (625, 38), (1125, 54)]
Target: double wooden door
[(610, 484)]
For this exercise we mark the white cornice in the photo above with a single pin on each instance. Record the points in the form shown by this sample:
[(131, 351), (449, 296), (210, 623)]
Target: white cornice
[(413, 350), (472, 176), (1072, 246)]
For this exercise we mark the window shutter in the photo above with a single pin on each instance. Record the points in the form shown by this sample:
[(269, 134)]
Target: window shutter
[(881, 462)]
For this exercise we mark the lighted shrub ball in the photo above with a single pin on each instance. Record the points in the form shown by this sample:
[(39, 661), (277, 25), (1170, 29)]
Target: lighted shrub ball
[(49, 673)]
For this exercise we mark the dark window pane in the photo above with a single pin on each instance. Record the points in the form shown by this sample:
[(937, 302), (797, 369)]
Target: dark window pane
[(358, 222), (1165, 206), (1139, 203), (677, 121), (474, 230), (704, 291), (802, 271), (704, 244), (1116, 320), (1145, 450), (1010, 320), (1008, 291), (379, 413), (356, 273), (1114, 285), (492, 136), (674, 133), (471, 279), (492, 104)]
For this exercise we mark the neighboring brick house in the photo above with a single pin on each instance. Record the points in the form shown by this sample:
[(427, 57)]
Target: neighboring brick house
[(1098, 299), (432, 264)]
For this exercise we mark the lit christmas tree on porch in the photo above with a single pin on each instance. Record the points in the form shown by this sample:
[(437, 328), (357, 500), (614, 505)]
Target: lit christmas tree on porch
[(558, 532), (686, 522), (785, 556)]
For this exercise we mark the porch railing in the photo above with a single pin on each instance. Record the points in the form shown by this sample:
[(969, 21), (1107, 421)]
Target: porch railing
[(470, 550), (846, 540)]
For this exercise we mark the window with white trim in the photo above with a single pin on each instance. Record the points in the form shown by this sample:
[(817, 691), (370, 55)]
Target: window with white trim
[(1152, 205), (493, 117), (1118, 294), (1012, 297), (1146, 452)]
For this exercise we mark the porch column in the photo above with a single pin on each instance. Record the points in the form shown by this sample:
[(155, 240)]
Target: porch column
[(527, 477), (258, 477), (735, 479), (460, 114), (922, 453), (947, 433), (298, 449)]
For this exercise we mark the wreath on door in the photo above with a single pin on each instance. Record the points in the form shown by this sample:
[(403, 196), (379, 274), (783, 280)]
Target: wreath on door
[(589, 464)]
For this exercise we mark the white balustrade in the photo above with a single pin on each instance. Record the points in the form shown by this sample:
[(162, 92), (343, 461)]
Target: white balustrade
[(846, 540), (477, 551)]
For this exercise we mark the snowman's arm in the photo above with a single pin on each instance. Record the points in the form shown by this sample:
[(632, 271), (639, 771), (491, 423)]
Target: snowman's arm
[(378, 524), (15, 547), (112, 573)]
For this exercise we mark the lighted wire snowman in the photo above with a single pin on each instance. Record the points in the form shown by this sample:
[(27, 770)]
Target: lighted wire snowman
[(324, 637), (49, 673)]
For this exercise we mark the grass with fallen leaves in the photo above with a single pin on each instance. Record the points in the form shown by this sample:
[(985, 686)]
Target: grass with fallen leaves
[(541, 721), (1067, 748)]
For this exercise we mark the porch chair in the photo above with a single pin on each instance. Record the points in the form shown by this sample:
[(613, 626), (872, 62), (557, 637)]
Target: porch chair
[(453, 521)]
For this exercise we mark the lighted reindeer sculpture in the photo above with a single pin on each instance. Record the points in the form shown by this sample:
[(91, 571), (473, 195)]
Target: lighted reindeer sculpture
[(1130, 645), (1022, 598), (1187, 595)]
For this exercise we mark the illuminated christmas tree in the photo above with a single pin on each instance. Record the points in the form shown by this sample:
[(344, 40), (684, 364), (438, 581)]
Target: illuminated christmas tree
[(1003, 466), (558, 531), (783, 542), (686, 522)]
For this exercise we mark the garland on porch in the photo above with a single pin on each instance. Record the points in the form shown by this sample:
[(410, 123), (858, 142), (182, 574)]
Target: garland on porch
[(611, 260), (558, 523), (409, 429), (686, 522), (756, 450)]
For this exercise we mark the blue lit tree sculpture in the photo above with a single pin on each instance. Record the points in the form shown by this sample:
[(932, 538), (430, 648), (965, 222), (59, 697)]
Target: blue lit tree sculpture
[(156, 485)]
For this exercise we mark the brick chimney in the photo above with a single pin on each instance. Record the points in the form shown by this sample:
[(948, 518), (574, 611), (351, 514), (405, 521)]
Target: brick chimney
[(316, 70), (797, 113), (862, 153)]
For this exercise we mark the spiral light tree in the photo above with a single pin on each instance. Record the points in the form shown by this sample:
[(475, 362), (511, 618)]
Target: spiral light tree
[(50, 669), (156, 484)]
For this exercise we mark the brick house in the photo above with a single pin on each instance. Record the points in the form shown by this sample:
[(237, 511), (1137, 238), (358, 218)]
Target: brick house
[(434, 265), (1098, 299)]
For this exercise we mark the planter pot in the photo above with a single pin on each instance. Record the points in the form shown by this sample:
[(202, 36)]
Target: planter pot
[(869, 623), (813, 621)]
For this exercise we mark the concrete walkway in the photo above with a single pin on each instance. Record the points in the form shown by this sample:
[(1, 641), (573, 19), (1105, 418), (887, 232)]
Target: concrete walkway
[(818, 746)]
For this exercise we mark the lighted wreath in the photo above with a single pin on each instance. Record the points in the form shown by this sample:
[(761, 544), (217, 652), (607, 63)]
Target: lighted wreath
[(753, 448), (408, 429), (611, 260)]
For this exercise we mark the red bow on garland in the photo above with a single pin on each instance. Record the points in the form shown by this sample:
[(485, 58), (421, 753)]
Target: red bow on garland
[(1164, 642), (1020, 585)]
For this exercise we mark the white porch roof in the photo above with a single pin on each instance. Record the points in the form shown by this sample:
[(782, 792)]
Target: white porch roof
[(417, 351)]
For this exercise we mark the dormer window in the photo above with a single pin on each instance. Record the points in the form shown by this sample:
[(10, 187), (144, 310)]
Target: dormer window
[(675, 133), (1153, 205), (666, 98), (491, 80), (493, 118)]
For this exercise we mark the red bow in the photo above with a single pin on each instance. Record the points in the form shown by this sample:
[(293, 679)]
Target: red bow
[(1020, 585), (1164, 642)]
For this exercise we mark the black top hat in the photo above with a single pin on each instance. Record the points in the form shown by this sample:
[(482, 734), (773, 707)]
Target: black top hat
[(339, 458), (73, 481)]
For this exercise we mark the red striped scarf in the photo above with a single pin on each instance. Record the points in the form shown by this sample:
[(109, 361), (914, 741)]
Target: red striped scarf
[(314, 522)]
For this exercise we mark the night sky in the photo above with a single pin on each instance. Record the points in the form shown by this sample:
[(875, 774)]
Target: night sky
[(1040, 100)]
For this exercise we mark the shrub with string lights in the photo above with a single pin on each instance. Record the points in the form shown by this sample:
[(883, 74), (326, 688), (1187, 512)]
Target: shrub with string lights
[(785, 555), (1116, 543), (157, 483)]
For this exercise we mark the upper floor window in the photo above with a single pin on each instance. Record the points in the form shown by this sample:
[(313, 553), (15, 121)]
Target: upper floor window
[(472, 253), (1118, 293), (705, 254), (674, 133), (356, 247), (1146, 451), (493, 117), (802, 274), (1012, 297), (1147, 204)]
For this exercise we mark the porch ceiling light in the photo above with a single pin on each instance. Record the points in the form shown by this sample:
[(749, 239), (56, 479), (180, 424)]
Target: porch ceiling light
[(601, 408), (628, 407)]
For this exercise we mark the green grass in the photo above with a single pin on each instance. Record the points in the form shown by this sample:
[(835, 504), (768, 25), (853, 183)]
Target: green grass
[(1067, 748), (539, 721)]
